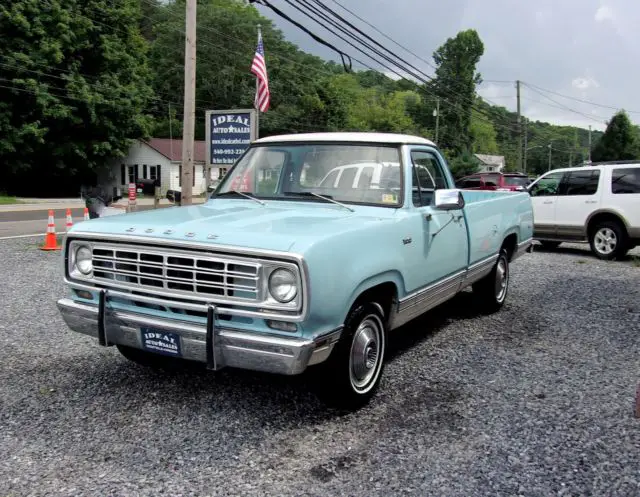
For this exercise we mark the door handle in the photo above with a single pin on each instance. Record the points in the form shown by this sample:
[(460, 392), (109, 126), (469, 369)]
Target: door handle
[(548, 202), (590, 201)]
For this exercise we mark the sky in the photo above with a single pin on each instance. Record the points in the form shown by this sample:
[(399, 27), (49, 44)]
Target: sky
[(585, 49)]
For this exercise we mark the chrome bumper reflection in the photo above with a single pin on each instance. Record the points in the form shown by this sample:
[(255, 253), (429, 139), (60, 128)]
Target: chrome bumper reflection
[(216, 346)]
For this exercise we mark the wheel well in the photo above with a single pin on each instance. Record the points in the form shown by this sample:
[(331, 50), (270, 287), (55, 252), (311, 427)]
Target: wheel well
[(604, 216), (509, 245), (383, 294)]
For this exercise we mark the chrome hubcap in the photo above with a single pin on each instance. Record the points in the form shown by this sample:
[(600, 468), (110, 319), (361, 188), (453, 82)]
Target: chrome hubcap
[(367, 350), (605, 241), (502, 280)]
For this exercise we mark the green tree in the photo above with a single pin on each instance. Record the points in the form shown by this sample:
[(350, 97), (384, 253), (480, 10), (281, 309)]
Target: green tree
[(483, 135), (74, 86), (463, 164), (619, 142), (456, 80)]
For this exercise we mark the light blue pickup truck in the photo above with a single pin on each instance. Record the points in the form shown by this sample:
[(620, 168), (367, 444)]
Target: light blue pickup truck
[(310, 252)]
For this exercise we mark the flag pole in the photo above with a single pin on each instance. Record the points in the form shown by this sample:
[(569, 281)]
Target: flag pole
[(254, 100)]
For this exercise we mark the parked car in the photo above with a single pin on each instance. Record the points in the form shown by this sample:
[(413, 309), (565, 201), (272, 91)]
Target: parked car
[(299, 273), (146, 186), (494, 181), (597, 204)]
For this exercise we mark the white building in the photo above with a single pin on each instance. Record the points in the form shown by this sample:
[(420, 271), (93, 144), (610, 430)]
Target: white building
[(157, 158), (490, 163)]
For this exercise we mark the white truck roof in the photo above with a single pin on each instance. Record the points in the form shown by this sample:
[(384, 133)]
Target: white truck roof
[(370, 137)]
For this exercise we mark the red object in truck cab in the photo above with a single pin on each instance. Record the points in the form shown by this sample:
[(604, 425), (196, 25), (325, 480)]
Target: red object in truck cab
[(513, 182)]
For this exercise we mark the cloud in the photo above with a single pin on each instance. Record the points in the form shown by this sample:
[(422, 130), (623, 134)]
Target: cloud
[(584, 83), (604, 13)]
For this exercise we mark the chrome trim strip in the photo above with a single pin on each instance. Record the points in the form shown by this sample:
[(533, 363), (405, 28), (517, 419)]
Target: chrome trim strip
[(190, 306), (522, 248), (423, 300), (189, 244), (231, 347), (479, 270)]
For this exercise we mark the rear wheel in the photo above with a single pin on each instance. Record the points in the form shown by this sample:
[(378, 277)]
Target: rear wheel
[(350, 377), (608, 240), (491, 291)]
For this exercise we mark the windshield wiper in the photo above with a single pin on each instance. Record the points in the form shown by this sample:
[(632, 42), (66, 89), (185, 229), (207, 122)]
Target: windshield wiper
[(236, 192), (323, 197)]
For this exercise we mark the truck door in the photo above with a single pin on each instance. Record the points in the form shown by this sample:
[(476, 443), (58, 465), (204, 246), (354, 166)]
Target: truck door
[(441, 245)]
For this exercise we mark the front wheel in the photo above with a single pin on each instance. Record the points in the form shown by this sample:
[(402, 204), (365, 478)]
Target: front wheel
[(491, 291), (350, 377), (608, 240)]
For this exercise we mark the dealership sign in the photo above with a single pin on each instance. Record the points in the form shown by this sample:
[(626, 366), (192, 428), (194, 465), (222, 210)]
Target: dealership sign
[(229, 133)]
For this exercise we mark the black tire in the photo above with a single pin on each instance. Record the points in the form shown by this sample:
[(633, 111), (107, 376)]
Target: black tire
[(154, 361), (608, 240), (336, 379), (491, 291), (549, 245)]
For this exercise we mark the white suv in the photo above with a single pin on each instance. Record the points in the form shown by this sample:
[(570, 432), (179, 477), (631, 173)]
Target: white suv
[(598, 204)]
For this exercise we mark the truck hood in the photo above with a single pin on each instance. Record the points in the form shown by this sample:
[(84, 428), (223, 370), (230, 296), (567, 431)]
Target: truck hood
[(279, 225)]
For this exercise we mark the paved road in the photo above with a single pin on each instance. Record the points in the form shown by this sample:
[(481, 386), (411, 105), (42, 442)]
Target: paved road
[(534, 400), (41, 214)]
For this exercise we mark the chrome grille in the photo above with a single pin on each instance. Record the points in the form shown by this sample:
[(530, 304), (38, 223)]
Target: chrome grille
[(177, 271)]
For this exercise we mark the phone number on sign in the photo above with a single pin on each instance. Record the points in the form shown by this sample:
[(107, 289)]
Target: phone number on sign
[(229, 151)]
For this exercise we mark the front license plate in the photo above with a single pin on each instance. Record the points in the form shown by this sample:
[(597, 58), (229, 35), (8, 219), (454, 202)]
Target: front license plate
[(161, 342)]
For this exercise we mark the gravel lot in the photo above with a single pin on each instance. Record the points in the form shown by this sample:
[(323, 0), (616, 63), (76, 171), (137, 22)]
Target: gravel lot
[(536, 400)]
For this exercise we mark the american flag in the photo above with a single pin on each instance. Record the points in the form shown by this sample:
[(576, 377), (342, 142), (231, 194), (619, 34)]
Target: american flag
[(259, 68)]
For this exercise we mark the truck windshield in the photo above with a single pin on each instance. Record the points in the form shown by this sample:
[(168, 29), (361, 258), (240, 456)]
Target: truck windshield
[(345, 172)]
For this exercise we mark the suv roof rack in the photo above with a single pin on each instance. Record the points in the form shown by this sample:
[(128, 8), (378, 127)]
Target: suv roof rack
[(612, 162)]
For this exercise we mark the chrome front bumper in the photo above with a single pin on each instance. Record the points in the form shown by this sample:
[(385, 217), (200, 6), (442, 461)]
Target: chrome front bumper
[(216, 346)]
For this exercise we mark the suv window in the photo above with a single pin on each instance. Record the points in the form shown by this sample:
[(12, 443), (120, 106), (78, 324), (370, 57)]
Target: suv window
[(625, 180), (427, 177), (546, 186), (580, 183), (470, 183), (516, 180)]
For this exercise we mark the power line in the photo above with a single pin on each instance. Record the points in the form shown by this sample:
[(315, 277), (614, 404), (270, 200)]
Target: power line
[(581, 100), (488, 119), (564, 106)]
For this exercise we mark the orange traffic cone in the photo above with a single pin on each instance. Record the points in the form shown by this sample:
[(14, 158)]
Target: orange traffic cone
[(69, 220), (50, 242), (86, 214)]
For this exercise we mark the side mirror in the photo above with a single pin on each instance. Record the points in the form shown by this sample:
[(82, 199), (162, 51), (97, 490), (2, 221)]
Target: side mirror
[(447, 200)]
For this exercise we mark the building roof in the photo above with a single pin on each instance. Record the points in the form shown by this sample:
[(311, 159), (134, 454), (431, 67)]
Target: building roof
[(172, 148), (490, 160), (370, 137)]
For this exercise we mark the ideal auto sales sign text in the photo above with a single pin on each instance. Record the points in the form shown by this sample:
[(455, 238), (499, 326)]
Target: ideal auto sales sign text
[(230, 136)]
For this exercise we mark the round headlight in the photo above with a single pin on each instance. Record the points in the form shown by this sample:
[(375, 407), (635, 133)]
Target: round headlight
[(283, 285), (83, 260)]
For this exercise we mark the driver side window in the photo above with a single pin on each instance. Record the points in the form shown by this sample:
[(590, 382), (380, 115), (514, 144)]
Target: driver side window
[(427, 177), (547, 186)]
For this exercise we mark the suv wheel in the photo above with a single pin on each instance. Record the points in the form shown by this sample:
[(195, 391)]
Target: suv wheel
[(491, 291), (350, 377), (608, 240)]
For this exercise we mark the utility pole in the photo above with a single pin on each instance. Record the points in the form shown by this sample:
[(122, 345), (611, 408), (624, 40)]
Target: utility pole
[(519, 127), (589, 143), (189, 103), (436, 113), (549, 157), (525, 147)]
